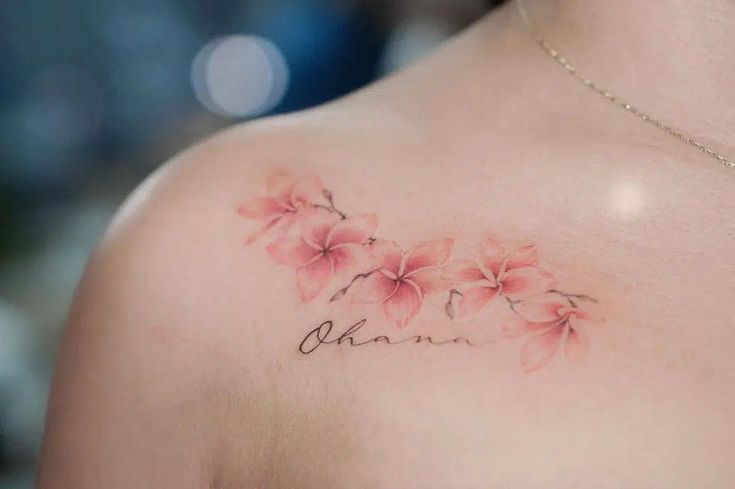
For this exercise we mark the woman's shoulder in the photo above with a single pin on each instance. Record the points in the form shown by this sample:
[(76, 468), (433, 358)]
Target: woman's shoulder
[(175, 317), (229, 266)]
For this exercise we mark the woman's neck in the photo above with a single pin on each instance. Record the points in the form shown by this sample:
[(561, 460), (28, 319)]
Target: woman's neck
[(674, 58)]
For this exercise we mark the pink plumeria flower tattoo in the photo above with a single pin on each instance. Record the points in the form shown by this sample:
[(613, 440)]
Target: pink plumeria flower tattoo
[(401, 280), (321, 243), (278, 211), (514, 275), (326, 246), (552, 322)]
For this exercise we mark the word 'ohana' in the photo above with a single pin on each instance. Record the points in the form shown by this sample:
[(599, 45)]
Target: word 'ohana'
[(323, 335)]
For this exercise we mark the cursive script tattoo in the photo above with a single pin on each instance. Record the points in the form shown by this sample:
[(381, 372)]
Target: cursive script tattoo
[(322, 335), (308, 233)]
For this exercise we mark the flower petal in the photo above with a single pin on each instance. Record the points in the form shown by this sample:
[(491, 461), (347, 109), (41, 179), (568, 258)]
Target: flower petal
[(464, 271), (429, 279), (403, 304), (493, 256), (262, 230), (525, 256), (261, 208), (386, 254), (313, 278), (355, 230), (278, 226), (518, 326), (284, 223), (292, 251), (538, 350), (541, 326), (578, 315), (541, 309), (315, 225), (349, 256), (308, 190), (427, 254), (475, 299), (376, 287), (520, 283), (280, 185)]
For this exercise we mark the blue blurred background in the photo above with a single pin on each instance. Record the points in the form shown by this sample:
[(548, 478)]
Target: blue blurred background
[(95, 93)]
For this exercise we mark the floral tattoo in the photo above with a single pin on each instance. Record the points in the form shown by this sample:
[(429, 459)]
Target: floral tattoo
[(322, 244)]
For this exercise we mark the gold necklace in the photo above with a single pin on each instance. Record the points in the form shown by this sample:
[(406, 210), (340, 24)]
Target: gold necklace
[(571, 69)]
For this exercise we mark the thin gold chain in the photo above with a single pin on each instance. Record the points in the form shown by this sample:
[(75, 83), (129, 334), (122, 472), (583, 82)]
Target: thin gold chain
[(728, 163)]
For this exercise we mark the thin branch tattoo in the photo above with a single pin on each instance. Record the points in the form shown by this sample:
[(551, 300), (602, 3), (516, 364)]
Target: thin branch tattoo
[(322, 244)]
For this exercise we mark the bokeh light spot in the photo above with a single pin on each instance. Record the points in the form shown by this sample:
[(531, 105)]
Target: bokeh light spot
[(240, 76)]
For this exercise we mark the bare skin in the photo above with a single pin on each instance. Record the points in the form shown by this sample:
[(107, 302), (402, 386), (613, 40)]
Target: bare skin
[(181, 364)]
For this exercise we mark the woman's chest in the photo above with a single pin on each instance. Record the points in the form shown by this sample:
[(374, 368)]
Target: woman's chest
[(421, 418)]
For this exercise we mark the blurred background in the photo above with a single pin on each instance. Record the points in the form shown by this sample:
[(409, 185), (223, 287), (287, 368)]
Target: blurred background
[(94, 94)]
